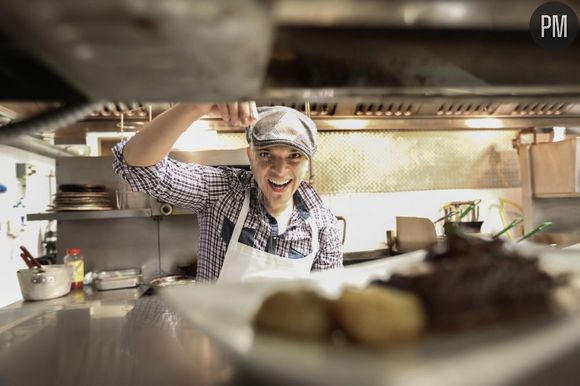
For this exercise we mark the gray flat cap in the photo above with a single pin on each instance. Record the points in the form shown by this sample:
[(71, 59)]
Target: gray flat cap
[(284, 126)]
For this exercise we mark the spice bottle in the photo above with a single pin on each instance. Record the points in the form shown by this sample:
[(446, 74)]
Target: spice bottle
[(74, 258)]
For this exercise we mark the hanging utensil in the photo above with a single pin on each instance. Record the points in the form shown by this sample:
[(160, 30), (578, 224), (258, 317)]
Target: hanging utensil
[(26, 254), (510, 226), (539, 228), (27, 261)]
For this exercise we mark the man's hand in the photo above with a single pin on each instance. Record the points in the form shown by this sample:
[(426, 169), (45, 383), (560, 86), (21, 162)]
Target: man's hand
[(237, 113)]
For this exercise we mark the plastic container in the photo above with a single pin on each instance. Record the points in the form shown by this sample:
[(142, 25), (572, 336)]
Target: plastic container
[(74, 259)]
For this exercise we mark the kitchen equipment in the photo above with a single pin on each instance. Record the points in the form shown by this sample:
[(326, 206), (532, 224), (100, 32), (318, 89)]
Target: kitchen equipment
[(126, 278), (28, 258), (456, 212), (74, 197), (343, 220), (539, 228), (556, 167), (45, 283), (510, 226), (127, 199), (391, 239), (562, 240), (467, 226), (446, 216), (27, 261), (473, 207), (171, 280), (414, 233)]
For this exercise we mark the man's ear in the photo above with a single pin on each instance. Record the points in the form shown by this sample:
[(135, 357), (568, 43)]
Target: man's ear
[(305, 175), (249, 154)]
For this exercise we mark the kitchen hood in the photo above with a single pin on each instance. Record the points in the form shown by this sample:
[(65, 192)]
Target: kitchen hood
[(386, 113), (396, 65), (316, 50)]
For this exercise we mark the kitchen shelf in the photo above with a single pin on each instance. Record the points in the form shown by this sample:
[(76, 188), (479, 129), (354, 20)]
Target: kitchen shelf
[(90, 215), (105, 214), (557, 195)]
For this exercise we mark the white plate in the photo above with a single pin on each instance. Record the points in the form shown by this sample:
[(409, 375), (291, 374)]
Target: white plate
[(493, 356)]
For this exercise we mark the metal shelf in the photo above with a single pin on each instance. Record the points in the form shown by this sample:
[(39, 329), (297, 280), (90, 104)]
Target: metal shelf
[(557, 195), (90, 215)]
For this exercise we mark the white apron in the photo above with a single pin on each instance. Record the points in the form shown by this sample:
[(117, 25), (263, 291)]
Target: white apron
[(244, 263)]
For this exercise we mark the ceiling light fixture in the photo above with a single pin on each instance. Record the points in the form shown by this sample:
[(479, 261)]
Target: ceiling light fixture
[(484, 123)]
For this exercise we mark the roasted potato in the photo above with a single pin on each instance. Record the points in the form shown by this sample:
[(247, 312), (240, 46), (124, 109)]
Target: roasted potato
[(297, 313), (378, 316)]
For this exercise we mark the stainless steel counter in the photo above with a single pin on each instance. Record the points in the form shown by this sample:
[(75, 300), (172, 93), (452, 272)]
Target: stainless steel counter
[(106, 338), (356, 257), (123, 337)]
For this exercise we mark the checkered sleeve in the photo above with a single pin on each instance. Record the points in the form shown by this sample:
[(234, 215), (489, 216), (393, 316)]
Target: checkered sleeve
[(329, 255), (185, 185)]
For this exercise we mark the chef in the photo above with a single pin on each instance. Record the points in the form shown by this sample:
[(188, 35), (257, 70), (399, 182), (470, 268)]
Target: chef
[(264, 223)]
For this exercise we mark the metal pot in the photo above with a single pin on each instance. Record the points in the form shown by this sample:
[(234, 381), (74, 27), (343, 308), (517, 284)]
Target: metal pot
[(48, 282), (468, 226)]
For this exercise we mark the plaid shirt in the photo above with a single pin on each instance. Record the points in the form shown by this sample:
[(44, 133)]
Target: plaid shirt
[(216, 195)]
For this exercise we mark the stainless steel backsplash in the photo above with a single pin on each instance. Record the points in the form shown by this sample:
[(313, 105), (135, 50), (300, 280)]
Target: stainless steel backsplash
[(392, 161)]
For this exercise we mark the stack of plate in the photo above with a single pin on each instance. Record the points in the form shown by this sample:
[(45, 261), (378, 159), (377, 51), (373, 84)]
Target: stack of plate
[(82, 197)]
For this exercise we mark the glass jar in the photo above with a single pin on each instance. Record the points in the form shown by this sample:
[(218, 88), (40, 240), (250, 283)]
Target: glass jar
[(74, 258)]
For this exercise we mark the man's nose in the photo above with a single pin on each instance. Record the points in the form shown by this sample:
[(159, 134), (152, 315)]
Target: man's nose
[(279, 164)]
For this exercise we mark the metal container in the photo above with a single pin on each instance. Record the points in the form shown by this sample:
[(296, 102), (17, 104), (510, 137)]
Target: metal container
[(48, 282), (556, 167), (109, 280), (464, 211), (468, 226), (414, 233)]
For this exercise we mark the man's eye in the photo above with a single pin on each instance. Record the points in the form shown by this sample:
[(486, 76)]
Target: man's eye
[(264, 154), (295, 155)]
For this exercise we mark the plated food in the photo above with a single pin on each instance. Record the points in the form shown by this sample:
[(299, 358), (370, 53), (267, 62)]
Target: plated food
[(298, 313), (472, 282), (464, 283), (372, 316), (378, 316)]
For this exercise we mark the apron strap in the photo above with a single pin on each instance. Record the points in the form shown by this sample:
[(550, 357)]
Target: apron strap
[(240, 222), (314, 230), (242, 217)]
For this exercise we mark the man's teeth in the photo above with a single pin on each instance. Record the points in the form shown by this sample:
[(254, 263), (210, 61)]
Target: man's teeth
[(279, 182)]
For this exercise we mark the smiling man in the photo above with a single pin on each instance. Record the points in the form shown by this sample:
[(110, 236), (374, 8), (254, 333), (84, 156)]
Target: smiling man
[(263, 223)]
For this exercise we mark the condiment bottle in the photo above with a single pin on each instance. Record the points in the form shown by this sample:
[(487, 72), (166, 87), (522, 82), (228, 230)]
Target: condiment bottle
[(74, 258)]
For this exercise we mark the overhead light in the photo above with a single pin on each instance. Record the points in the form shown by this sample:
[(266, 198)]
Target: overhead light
[(199, 136), (132, 125), (350, 124), (202, 124), (93, 140), (484, 123), (559, 134)]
